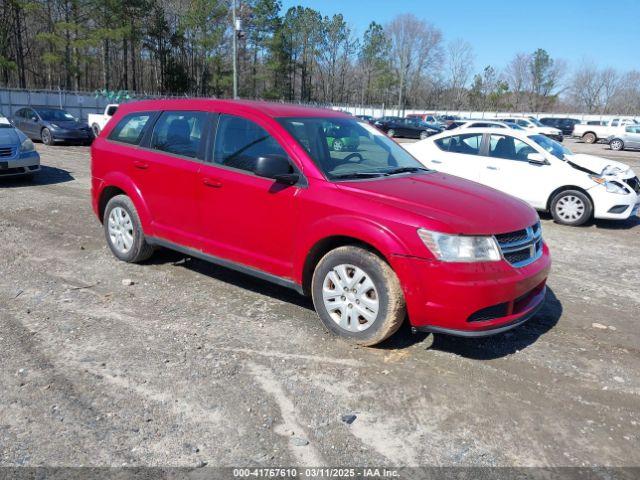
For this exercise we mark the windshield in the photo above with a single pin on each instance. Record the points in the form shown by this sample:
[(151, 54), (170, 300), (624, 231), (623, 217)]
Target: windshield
[(344, 148), (51, 115), (536, 122), (513, 126), (551, 146)]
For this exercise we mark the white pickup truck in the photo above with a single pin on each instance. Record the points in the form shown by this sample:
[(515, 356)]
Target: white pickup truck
[(593, 133), (97, 121)]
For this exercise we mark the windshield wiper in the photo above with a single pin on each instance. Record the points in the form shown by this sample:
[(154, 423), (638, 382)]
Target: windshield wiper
[(398, 170), (357, 175)]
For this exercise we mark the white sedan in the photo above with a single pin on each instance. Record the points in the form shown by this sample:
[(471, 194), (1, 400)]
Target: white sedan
[(540, 171)]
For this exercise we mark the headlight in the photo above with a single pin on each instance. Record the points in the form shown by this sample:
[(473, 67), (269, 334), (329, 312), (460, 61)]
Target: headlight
[(27, 146), (612, 187), (460, 248)]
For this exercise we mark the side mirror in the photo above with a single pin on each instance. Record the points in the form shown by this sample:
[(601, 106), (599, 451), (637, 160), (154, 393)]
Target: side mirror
[(276, 167), (537, 159), (34, 119)]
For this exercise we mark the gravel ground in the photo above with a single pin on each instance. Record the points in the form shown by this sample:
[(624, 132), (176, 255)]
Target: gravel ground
[(193, 364)]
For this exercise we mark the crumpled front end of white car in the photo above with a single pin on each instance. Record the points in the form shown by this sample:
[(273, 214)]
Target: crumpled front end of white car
[(616, 195)]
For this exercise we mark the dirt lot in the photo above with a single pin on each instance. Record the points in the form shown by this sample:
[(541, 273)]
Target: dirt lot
[(195, 364)]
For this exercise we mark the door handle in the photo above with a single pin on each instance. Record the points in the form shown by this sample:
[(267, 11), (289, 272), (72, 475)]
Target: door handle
[(492, 168), (211, 182), (436, 161), (140, 165)]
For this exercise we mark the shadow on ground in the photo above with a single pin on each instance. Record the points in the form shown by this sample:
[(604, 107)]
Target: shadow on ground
[(496, 346), (46, 176)]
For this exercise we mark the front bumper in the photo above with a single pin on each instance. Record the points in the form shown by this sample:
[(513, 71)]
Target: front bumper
[(471, 299), (612, 206), (22, 164), (72, 135)]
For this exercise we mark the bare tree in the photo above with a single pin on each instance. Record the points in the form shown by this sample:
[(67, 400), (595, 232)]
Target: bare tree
[(415, 49), (459, 65), (517, 75)]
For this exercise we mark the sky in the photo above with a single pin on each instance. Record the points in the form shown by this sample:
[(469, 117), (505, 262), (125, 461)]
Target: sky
[(606, 33)]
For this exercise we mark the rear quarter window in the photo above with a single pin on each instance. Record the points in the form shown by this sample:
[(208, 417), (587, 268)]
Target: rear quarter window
[(131, 128)]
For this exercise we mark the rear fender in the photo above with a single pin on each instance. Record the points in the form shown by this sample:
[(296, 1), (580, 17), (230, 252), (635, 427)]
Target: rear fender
[(124, 183)]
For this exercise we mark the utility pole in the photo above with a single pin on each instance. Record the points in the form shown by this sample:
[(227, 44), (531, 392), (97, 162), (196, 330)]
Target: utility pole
[(235, 49)]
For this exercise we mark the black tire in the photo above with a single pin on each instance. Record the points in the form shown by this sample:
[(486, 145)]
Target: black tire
[(46, 136), (338, 146), (391, 133), (616, 144), (140, 249), (571, 213), (424, 135), (96, 129), (589, 137), (387, 292)]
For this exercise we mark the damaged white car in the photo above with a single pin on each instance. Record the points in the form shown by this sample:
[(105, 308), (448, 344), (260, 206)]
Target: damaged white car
[(540, 171)]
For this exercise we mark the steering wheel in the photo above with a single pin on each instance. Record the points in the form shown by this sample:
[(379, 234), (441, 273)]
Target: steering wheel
[(353, 155)]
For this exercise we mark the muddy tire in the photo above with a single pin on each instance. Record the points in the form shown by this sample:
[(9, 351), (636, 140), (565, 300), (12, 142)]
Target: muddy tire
[(589, 137), (571, 207), (123, 231), (357, 295)]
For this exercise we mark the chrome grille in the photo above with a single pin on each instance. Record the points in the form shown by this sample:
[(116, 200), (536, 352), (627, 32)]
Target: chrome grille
[(7, 151), (521, 247)]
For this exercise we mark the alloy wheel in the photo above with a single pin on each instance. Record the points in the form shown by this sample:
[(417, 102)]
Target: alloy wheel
[(350, 297)]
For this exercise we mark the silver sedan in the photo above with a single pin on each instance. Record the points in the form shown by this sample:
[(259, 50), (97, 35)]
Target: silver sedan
[(18, 155)]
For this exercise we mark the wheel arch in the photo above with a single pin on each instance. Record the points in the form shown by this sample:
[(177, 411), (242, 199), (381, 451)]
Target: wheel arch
[(568, 187), (121, 185), (324, 246)]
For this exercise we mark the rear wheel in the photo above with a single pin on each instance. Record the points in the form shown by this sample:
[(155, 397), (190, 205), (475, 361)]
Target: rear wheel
[(357, 295), (338, 146), (391, 133), (424, 135), (571, 207), (589, 137), (123, 231), (46, 136), (616, 144)]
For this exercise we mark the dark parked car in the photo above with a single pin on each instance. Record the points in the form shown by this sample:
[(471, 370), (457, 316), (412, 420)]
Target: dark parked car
[(564, 124), (407, 127), (367, 118), (52, 125)]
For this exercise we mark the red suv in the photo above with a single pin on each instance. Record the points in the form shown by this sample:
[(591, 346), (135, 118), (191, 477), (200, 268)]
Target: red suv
[(368, 232)]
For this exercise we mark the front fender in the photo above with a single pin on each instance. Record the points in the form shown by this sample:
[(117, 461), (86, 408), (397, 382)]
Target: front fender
[(360, 229), (122, 182)]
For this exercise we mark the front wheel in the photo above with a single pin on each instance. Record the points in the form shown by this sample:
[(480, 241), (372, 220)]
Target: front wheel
[(123, 231), (46, 136), (616, 144), (357, 295), (96, 129), (571, 207), (424, 135), (391, 133), (338, 146)]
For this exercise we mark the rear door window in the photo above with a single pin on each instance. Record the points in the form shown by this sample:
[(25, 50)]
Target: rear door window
[(131, 128), (468, 144), (179, 133)]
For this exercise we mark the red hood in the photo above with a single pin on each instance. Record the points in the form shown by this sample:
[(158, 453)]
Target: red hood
[(459, 205)]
